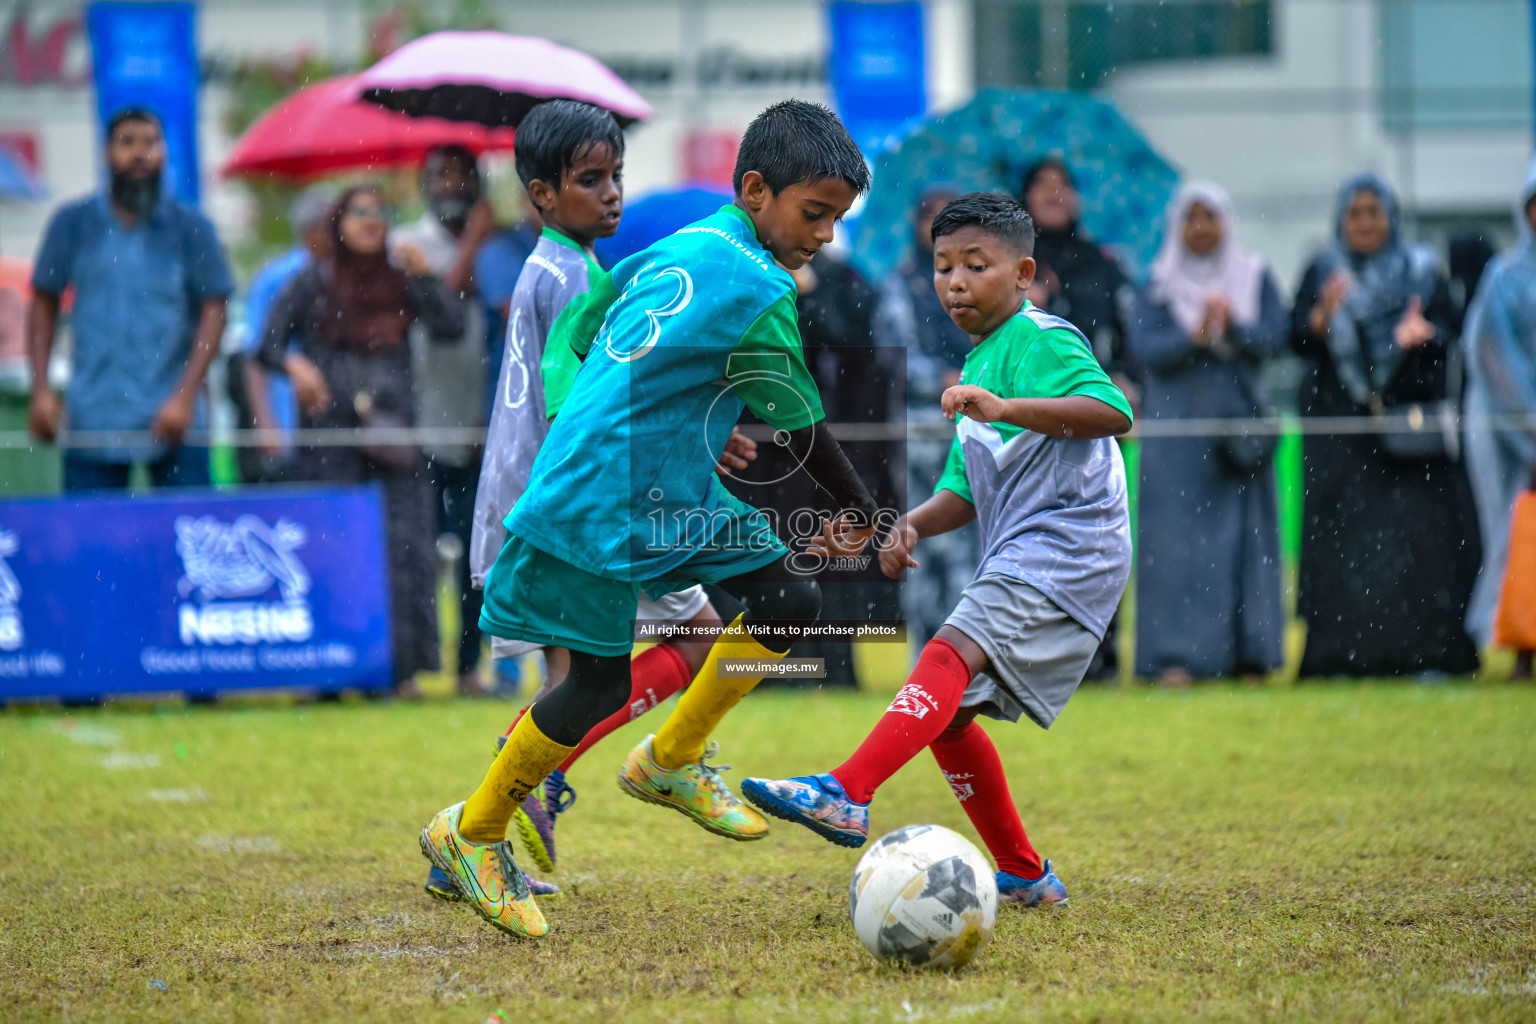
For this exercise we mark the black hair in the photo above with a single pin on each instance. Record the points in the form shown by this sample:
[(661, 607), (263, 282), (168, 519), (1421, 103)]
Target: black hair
[(799, 143), (1001, 216), (1039, 167), (556, 134), (124, 115)]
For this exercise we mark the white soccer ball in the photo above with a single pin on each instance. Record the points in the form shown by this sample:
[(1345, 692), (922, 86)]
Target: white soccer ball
[(925, 895)]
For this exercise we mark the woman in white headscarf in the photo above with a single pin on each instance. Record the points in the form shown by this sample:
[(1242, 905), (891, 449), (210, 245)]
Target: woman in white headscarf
[(1208, 599), (1500, 339)]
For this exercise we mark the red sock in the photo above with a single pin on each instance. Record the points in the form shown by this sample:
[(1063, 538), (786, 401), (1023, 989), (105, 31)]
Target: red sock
[(918, 714), (969, 761), (655, 675)]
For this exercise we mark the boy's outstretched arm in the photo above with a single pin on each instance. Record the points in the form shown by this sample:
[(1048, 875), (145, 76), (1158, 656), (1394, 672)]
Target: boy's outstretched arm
[(1075, 417), (824, 460), (943, 512)]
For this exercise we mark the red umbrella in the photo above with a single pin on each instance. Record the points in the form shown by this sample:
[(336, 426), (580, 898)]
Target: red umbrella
[(322, 129)]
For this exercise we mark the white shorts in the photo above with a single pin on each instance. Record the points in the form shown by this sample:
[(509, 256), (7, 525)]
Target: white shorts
[(678, 606)]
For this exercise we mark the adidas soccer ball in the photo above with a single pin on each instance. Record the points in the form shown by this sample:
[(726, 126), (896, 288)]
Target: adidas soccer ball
[(925, 895)]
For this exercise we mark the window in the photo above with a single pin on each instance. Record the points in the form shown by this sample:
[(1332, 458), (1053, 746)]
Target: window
[(1072, 44), (1455, 64)]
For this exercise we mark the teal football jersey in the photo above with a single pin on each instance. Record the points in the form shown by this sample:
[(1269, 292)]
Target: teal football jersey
[(685, 334)]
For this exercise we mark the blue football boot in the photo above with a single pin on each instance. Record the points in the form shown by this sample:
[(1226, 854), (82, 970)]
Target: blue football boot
[(815, 801)]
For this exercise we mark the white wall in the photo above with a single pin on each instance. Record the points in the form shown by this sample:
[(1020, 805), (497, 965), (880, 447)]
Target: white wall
[(1281, 132)]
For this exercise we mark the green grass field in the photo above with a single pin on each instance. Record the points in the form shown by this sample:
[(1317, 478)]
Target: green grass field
[(1362, 853)]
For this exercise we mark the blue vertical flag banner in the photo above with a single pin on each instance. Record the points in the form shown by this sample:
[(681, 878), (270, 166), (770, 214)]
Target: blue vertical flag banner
[(145, 55), (198, 592), (878, 68)]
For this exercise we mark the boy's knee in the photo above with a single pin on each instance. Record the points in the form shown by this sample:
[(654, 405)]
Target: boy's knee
[(794, 601)]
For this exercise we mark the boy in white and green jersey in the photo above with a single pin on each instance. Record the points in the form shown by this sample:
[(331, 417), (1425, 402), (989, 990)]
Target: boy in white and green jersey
[(623, 497), (1035, 464)]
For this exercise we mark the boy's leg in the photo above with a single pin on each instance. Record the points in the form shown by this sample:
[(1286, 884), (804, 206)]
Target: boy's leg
[(970, 764), (834, 805), (969, 761), (596, 687), (468, 841), (660, 671), (655, 674), (771, 594), (669, 768)]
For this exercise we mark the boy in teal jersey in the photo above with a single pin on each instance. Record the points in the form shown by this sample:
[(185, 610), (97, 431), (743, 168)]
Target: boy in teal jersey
[(1034, 462), (570, 158), (623, 497)]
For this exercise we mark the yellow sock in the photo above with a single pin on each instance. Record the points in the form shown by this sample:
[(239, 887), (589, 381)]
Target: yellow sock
[(701, 707), (528, 756)]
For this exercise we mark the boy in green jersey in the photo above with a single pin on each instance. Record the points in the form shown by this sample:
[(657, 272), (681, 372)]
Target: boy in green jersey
[(1035, 464), (623, 497)]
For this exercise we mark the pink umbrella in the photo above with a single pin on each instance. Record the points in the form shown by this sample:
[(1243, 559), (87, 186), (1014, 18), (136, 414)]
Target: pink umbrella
[(492, 78), (322, 129)]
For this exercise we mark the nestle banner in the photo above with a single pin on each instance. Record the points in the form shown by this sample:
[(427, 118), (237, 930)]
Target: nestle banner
[(145, 55), (197, 592)]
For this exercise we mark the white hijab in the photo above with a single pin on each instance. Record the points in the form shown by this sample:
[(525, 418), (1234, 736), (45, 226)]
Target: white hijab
[(1183, 281)]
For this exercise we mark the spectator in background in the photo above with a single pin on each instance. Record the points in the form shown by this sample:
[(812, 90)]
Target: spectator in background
[(1079, 282), (339, 331), (150, 285), (910, 316), (15, 297), (1389, 537), (450, 372), (1500, 341), (1208, 551), (1074, 278), (498, 265), (268, 400)]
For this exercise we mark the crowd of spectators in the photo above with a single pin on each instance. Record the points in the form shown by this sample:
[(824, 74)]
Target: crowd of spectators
[(361, 325)]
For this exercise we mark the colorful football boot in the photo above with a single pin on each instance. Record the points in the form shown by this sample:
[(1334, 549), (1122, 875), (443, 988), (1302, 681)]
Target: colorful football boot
[(441, 887), (1045, 891), (694, 789), (536, 829), (815, 801), (486, 874)]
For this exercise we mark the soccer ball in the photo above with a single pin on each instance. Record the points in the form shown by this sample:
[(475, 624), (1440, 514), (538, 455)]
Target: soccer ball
[(925, 895)]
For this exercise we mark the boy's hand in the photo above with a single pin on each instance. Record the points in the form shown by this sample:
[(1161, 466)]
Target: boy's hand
[(970, 400), (840, 538), (896, 552), (739, 450)]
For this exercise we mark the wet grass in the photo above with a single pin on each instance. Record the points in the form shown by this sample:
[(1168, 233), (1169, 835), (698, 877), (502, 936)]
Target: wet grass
[(1349, 852)]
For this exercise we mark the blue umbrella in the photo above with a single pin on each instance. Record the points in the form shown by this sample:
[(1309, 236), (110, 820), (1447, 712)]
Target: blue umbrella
[(656, 215), (16, 180), (988, 145)]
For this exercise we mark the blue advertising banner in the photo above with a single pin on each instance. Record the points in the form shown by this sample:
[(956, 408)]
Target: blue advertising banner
[(197, 592), (878, 68), (145, 55)]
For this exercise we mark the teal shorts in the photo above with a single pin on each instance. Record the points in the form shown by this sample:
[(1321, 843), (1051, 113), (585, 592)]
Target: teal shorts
[(532, 595)]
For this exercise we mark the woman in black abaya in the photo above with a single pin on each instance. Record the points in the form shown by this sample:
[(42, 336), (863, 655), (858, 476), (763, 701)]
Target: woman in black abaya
[(1390, 539)]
